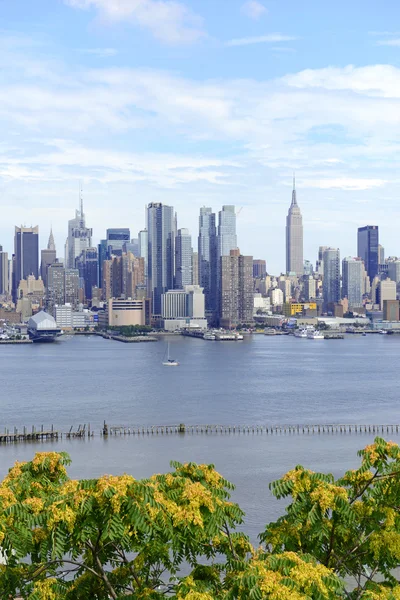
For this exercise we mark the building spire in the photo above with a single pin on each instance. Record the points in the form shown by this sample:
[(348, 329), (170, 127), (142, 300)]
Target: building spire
[(294, 199), (50, 244), (82, 218)]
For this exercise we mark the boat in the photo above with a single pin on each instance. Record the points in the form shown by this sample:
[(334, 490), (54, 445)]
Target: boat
[(383, 331), (225, 336), (300, 333), (269, 332), (209, 336), (315, 335), (239, 336), (170, 362)]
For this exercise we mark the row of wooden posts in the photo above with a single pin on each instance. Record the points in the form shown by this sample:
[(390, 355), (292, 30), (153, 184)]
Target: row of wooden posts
[(84, 431), (247, 429)]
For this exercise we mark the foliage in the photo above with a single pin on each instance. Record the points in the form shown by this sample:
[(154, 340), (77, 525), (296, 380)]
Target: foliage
[(132, 330), (175, 535), (350, 525)]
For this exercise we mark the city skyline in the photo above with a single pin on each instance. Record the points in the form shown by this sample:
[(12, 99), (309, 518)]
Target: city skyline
[(122, 237), (216, 107)]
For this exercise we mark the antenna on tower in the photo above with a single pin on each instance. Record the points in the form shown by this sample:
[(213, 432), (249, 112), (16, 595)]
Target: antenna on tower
[(81, 203), (294, 181)]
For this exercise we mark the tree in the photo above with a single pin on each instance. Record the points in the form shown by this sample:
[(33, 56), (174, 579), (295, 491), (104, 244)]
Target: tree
[(174, 535), (350, 525)]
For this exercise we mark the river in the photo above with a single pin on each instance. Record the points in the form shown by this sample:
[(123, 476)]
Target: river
[(260, 380)]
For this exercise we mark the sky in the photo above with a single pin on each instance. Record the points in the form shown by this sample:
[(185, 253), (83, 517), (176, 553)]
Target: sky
[(202, 102)]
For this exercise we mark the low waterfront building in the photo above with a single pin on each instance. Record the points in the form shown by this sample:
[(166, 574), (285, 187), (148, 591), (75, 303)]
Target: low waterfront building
[(391, 310), (124, 312), (42, 327), (68, 319), (386, 291), (183, 308)]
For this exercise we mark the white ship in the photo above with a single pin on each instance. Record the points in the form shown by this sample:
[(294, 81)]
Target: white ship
[(300, 333), (209, 336), (315, 335)]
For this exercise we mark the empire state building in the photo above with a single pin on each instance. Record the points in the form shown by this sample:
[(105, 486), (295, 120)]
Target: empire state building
[(294, 237)]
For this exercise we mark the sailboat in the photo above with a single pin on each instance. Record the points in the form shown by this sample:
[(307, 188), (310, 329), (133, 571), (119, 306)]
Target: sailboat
[(170, 362)]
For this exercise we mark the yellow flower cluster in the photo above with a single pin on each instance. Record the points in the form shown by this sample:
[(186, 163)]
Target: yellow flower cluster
[(61, 514), (13, 473), (301, 480), (306, 576), (7, 497), (325, 495), (44, 589), (52, 461), (118, 484), (35, 504)]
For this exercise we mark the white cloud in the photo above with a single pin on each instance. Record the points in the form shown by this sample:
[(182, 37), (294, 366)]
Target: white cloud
[(343, 183), (394, 42), (170, 21), (261, 39), (375, 80), (141, 135), (100, 52), (254, 9)]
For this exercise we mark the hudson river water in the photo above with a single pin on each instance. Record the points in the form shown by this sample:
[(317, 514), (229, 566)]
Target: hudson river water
[(260, 380)]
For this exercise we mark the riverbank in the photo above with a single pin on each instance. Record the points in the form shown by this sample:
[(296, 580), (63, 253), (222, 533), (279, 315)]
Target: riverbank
[(129, 340)]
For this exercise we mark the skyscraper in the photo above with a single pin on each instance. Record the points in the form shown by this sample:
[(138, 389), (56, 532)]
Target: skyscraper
[(143, 248), (353, 273), (195, 268), (3, 271), (48, 257), (55, 293), (294, 237), (368, 248), (381, 254), (26, 255), (207, 258), (259, 268), (227, 239), (236, 290), (160, 257), (183, 259), (90, 259), (116, 239), (331, 283), (71, 287), (79, 236), (102, 256)]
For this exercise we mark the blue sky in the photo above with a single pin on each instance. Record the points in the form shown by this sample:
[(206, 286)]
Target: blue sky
[(200, 102)]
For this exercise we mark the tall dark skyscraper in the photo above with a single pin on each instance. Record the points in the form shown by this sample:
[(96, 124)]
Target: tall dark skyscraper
[(3, 271), (102, 256), (90, 259), (368, 249), (26, 254), (161, 226), (207, 259), (331, 283), (294, 237), (183, 259), (48, 257)]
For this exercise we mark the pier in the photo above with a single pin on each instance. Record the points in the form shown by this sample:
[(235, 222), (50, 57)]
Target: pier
[(252, 429), (86, 432)]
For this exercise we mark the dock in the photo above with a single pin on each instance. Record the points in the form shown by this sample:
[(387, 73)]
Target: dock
[(86, 432), (181, 428)]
